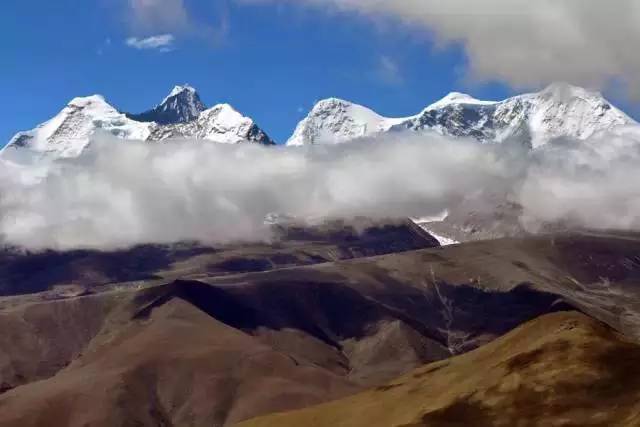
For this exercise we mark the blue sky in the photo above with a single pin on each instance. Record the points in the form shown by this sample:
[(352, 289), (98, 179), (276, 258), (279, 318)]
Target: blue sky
[(272, 62)]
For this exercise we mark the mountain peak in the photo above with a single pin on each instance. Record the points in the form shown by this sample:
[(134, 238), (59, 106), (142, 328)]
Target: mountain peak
[(182, 105), (331, 106), (331, 102), (181, 90), (83, 101), (340, 106), (457, 98), (69, 132), (335, 120)]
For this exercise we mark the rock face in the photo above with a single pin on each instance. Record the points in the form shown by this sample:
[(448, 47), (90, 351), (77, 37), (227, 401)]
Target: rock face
[(180, 115), (559, 111)]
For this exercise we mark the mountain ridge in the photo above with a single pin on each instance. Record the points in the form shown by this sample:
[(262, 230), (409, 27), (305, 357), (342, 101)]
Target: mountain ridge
[(534, 119), (68, 133)]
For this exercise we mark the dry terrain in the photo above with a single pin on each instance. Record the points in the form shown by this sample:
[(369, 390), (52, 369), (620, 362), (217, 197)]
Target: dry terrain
[(562, 369), (217, 336)]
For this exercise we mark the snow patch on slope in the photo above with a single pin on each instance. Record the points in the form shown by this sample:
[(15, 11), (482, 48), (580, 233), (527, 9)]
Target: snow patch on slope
[(425, 222), (443, 240)]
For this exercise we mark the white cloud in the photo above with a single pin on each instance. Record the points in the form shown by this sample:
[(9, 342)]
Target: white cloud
[(162, 42), (592, 184), (122, 193), (524, 43)]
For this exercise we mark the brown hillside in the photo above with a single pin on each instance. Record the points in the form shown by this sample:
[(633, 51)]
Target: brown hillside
[(562, 369)]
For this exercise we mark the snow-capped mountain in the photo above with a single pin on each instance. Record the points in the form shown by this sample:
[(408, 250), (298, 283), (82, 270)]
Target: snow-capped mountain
[(182, 105), (68, 133), (333, 121), (560, 110), (181, 114)]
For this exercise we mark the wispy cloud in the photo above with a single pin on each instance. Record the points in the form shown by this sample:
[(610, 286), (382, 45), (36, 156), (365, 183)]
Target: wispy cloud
[(161, 42), (388, 71), (146, 17)]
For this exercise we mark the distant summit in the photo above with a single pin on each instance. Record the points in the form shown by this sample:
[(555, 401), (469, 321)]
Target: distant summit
[(182, 105)]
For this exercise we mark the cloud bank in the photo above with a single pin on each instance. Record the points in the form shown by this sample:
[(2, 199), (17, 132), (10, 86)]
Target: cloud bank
[(522, 42), (123, 193), (592, 184), (120, 194)]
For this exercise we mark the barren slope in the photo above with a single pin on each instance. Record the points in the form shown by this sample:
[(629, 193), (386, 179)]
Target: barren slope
[(562, 369), (216, 348)]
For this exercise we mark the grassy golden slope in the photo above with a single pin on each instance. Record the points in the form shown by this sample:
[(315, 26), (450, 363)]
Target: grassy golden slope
[(562, 369)]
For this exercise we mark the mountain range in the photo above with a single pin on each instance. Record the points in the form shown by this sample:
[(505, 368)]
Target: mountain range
[(534, 119), (560, 110)]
